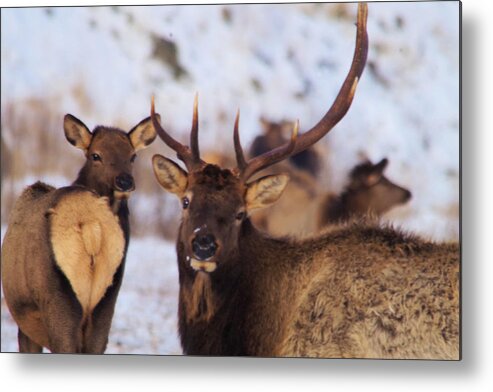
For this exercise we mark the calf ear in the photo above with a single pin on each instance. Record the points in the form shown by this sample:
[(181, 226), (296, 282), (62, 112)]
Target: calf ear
[(143, 133), (169, 175), (265, 191), (76, 132)]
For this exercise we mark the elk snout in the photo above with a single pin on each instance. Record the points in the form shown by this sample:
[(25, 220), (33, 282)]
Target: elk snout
[(124, 182), (407, 195), (204, 246)]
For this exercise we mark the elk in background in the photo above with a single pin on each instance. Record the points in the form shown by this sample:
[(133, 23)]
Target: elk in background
[(361, 291), (369, 192), (63, 255), (273, 135), (304, 209)]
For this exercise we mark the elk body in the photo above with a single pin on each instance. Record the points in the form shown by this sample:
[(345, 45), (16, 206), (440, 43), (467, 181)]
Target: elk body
[(368, 193), (64, 251), (361, 291)]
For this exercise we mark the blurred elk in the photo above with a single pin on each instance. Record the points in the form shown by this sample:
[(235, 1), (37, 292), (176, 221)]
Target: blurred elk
[(273, 135), (305, 209), (361, 291), (64, 251)]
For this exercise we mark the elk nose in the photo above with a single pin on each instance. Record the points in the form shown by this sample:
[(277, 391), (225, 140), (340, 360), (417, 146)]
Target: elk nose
[(407, 195), (124, 182), (204, 246)]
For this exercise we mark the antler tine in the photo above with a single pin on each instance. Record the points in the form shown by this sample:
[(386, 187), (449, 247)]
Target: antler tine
[(194, 133), (182, 152), (336, 112), (240, 157), (271, 157), (345, 96)]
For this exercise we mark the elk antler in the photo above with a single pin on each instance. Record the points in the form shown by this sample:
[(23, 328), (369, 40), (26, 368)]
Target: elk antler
[(189, 155), (336, 112), (247, 169)]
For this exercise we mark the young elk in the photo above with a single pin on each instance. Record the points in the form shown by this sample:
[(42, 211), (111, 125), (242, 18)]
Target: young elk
[(368, 194), (357, 292), (64, 251)]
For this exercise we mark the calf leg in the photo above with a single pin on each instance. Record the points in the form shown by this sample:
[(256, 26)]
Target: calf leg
[(62, 318), (26, 345), (98, 326)]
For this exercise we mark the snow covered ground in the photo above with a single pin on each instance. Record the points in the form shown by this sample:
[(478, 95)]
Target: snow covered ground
[(102, 64)]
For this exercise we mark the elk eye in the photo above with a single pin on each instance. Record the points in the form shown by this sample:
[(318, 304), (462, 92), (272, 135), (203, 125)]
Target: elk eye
[(240, 215), (95, 157), (185, 202), (133, 158)]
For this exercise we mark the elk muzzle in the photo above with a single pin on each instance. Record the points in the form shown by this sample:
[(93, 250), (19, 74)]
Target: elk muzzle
[(204, 246), (124, 182)]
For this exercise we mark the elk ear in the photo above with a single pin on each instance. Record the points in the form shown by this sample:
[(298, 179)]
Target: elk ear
[(265, 191), (169, 175), (143, 133), (76, 132), (376, 172), (380, 166)]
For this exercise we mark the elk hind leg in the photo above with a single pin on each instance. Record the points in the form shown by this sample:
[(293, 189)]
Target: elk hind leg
[(27, 345)]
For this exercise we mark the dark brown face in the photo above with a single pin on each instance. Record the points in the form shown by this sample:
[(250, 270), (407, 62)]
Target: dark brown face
[(372, 192), (110, 153), (109, 164), (213, 210), (215, 202)]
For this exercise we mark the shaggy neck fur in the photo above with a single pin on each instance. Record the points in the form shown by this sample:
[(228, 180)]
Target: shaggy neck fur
[(215, 310), (325, 296), (337, 208)]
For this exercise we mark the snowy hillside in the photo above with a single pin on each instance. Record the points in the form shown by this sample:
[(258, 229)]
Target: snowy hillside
[(103, 64)]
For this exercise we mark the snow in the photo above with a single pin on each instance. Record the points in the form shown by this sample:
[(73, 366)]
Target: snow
[(279, 61)]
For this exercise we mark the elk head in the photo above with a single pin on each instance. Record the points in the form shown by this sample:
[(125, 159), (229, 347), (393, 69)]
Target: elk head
[(370, 191), (217, 201), (110, 153)]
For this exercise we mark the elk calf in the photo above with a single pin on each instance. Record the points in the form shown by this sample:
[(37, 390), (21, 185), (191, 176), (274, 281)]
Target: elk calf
[(357, 292), (64, 251)]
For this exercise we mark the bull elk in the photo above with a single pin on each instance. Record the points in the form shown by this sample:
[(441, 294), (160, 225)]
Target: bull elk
[(369, 193), (362, 291), (63, 255)]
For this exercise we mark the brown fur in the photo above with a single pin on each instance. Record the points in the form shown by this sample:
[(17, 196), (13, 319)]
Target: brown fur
[(63, 255), (199, 300), (45, 233), (357, 291), (305, 209)]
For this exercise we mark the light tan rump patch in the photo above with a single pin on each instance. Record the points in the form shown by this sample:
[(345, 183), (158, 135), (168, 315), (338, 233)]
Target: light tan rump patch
[(87, 243)]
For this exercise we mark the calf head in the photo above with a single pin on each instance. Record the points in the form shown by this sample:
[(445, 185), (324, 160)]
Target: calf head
[(110, 153)]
